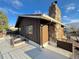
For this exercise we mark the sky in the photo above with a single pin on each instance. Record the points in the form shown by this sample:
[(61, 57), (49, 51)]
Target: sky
[(12, 8)]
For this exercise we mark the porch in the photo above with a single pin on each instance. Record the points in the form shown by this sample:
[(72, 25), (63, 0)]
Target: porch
[(31, 51)]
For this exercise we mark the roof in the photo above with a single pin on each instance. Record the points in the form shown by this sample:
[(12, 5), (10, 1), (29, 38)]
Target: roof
[(40, 16)]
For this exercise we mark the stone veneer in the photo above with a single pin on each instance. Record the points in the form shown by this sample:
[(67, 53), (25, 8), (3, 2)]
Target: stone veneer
[(58, 31)]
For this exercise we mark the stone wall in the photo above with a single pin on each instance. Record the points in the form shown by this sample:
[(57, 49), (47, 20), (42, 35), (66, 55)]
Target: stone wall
[(55, 13), (52, 32), (59, 31)]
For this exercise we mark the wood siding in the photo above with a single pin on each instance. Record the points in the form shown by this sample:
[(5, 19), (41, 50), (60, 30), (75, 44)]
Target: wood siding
[(51, 32), (36, 29), (44, 34)]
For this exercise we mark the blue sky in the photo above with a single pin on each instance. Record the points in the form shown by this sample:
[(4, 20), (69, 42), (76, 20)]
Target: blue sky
[(12, 8)]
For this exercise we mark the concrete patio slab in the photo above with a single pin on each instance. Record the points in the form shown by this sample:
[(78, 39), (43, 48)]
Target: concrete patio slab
[(30, 51)]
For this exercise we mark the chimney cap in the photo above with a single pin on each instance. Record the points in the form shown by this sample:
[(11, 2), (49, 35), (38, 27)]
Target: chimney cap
[(55, 2)]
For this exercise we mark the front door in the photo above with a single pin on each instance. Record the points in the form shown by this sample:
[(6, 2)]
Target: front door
[(44, 34)]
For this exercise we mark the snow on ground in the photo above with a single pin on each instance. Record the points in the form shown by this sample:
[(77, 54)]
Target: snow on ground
[(29, 51)]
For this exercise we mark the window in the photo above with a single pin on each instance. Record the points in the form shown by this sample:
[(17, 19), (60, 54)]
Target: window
[(29, 29)]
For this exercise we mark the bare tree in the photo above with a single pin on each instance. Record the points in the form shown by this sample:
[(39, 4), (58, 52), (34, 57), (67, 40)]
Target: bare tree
[(73, 32)]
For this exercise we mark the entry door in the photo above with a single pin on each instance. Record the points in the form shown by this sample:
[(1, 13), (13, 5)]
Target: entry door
[(44, 34)]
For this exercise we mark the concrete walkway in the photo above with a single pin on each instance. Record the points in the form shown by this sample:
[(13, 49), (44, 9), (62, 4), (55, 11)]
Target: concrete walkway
[(29, 51)]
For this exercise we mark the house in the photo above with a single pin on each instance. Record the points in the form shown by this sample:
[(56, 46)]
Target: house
[(37, 27), (41, 28)]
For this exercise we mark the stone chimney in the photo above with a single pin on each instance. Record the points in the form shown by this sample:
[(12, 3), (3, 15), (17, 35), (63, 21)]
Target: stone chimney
[(54, 11)]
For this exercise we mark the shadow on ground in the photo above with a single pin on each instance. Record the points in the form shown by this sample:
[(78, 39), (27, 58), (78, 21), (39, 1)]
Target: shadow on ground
[(44, 54)]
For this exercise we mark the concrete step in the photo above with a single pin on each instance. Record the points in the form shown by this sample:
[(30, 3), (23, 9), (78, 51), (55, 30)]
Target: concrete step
[(17, 39), (19, 43)]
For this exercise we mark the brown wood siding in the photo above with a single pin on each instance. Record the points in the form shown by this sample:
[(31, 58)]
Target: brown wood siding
[(36, 28), (64, 45), (44, 34), (38, 36), (36, 31)]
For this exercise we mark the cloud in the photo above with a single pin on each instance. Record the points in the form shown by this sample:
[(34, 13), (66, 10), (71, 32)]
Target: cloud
[(70, 7), (14, 3), (40, 12), (37, 12), (12, 11), (78, 10), (17, 3), (66, 18), (8, 10), (74, 20), (3, 10)]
